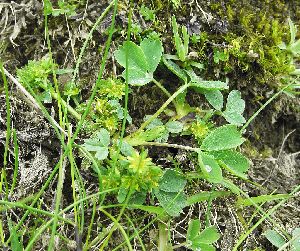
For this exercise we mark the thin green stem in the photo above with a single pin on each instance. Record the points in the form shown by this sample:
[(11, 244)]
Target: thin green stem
[(46, 225), (90, 227), (16, 154), (61, 177), (75, 114), (136, 232), (186, 148), (8, 130), (160, 86), (163, 107), (10, 205), (119, 216), (118, 225), (263, 218), (94, 91), (209, 204), (85, 44), (263, 107)]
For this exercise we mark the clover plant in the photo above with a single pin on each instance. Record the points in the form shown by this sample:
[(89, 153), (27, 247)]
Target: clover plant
[(201, 240), (217, 145)]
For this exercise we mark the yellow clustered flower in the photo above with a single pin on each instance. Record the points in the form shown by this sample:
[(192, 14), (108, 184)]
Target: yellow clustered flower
[(139, 163)]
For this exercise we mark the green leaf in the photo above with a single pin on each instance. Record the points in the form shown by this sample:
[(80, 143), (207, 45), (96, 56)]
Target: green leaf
[(295, 47), (173, 203), (215, 98), (209, 235), (261, 199), (101, 153), (231, 186), (46, 97), (152, 50), (202, 246), (181, 46), (136, 57), (210, 168), (235, 106), (146, 136), (275, 238), (193, 230), (205, 196), (47, 7), (138, 77), (208, 85), (296, 241), (233, 161), (174, 126), (150, 209), (222, 138), (142, 60), (138, 198), (293, 31), (99, 144), (126, 149), (175, 69), (172, 182), (122, 194), (16, 245), (155, 122), (103, 137)]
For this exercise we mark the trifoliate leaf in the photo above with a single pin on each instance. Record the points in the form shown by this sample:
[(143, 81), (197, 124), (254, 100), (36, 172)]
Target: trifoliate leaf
[(215, 98), (235, 107), (122, 194), (222, 138), (146, 136), (99, 144), (164, 137), (142, 60), (103, 136), (138, 198), (155, 122), (126, 149), (201, 240), (172, 182), (136, 57)]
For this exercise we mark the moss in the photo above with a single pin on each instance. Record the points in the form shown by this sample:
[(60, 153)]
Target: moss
[(246, 33), (255, 29)]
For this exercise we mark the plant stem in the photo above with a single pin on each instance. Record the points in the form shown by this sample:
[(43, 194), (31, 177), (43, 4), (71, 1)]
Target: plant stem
[(186, 148), (160, 86), (163, 244), (75, 114), (163, 107), (263, 107)]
